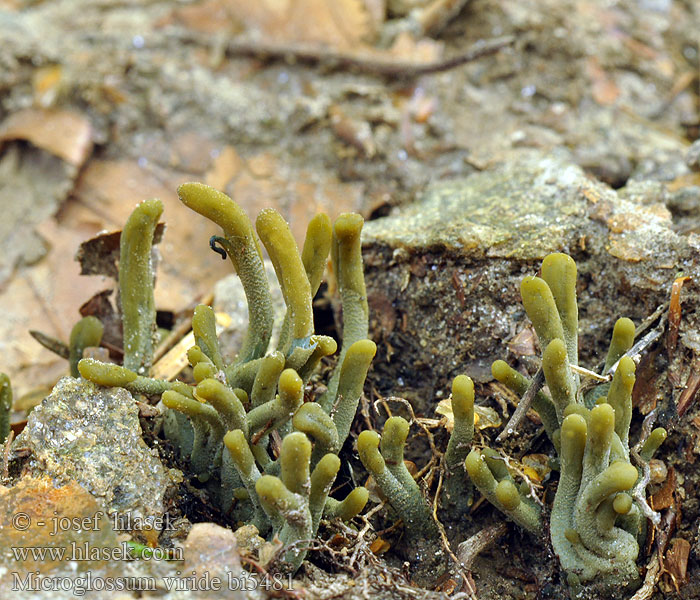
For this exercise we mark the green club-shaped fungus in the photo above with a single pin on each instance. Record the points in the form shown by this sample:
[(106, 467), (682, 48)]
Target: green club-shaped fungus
[(242, 248), (389, 471), (348, 508), (111, 375), (136, 277), (204, 329), (350, 380), (275, 413), (346, 256), (458, 489), (559, 272), (518, 383), (85, 333), (503, 494), (595, 525), (622, 340), (224, 424), (296, 289)]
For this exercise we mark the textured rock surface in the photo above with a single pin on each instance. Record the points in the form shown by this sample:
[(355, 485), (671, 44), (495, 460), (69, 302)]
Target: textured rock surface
[(443, 275), (211, 551), (91, 435)]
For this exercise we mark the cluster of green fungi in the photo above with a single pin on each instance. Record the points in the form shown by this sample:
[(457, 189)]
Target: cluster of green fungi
[(597, 521), (226, 422), (230, 422)]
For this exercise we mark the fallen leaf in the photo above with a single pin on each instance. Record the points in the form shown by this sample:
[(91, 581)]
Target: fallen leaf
[(379, 546), (536, 466), (674, 316), (64, 133), (341, 24), (100, 254), (225, 167), (33, 183), (47, 81), (676, 559), (664, 497), (524, 343), (484, 416), (211, 17), (407, 48), (45, 297)]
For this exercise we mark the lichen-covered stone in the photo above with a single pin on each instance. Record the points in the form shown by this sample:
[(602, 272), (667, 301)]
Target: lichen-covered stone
[(90, 434)]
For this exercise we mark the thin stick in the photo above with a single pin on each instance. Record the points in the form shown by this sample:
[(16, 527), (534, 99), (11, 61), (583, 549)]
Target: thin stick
[(469, 549), (523, 406), (367, 62)]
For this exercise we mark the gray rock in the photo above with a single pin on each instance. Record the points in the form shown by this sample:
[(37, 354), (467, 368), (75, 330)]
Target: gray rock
[(91, 435)]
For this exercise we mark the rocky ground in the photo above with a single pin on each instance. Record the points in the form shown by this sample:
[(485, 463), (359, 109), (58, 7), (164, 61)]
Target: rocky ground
[(575, 136)]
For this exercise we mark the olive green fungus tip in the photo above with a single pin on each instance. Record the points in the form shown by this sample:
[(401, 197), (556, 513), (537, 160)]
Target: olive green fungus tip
[(368, 449), (217, 207), (294, 461), (622, 503), (136, 278), (284, 254), (86, 333), (501, 371), (290, 385), (507, 494), (353, 504), (540, 307), (622, 340), (652, 443), (462, 395), (106, 374), (348, 225)]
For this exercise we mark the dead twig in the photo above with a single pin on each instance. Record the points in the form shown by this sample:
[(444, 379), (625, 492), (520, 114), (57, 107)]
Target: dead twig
[(523, 406), (469, 549), (366, 62), (639, 491), (690, 390), (654, 568)]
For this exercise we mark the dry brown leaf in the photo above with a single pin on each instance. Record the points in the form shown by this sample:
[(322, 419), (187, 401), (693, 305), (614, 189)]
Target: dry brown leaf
[(674, 315), (64, 133), (664, 497), (484, 416), (99, 255), (676, 559), (211, 17), (47, 82), (536, 466), (341, 24), (524, 343), (45, 297), (379, 546)]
